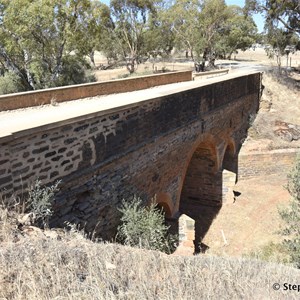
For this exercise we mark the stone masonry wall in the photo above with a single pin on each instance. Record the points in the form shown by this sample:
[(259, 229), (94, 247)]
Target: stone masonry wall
[(103, 158), (270, 162)]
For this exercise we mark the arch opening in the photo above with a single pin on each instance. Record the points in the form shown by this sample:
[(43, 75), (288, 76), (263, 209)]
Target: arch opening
[(229, 174), (201, 194), (202, 180), (164, 202)]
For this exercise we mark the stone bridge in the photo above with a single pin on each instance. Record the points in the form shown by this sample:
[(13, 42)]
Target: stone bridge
[(170, 143)]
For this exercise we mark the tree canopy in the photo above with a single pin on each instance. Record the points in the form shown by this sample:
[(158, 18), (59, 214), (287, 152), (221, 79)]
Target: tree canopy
[(39, 40), (46, 43), (285, 12)]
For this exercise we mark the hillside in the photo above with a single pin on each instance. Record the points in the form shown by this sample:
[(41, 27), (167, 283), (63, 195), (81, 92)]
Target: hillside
[(59, 265)]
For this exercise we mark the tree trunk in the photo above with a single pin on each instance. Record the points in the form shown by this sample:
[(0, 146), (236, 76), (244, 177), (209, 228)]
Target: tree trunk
[(130, 66), (28, 73), (92, 58), (11, 66)]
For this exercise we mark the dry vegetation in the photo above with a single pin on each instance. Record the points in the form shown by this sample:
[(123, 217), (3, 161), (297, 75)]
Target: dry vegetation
[(37, 265), (280, 102)]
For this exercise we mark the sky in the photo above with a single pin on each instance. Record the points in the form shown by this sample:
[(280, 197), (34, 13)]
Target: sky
[(257, 18)]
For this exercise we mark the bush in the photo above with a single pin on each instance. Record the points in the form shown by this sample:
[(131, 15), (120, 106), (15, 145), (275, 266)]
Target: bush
[(291, 216), (10, 83), (74, 70), (40, 200), (144, 227)]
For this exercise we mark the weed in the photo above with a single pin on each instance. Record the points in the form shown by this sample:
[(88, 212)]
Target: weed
[(144, 227), (40, 200)]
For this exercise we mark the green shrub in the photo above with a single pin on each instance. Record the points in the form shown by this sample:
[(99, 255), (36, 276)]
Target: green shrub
[(144, 227), (291, 216), (40, 200), (10, 83)]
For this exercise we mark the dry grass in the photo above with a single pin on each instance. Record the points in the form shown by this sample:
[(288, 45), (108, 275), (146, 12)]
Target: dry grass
[(68, 266), (280, 101)]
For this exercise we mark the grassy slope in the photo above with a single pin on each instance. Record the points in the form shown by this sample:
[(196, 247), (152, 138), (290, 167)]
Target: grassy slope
[(50, 265)]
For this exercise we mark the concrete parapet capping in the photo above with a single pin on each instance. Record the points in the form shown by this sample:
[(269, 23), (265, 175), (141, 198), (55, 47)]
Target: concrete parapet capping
[(210, 74), (74, 92)]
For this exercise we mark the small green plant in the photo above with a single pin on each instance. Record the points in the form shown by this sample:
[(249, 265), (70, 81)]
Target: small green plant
[(144, 227), (40, 200), (291, 216)]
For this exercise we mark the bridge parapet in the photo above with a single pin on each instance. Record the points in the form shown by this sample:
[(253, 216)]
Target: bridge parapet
[(79, 91)]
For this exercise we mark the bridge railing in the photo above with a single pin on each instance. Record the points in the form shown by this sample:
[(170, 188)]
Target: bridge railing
[(74, 92), (210, 74)]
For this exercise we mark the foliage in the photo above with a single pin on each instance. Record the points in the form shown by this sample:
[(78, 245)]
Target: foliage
[(131, 22), (10, 83), (239, 32), (43, 41), (210, 28), (40, 200), (37, 39), (291, 216), (285, 12), (144, 227)]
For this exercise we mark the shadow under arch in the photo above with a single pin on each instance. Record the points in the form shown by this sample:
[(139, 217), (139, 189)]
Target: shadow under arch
[(229, 160), (201, 192), (229, 172)]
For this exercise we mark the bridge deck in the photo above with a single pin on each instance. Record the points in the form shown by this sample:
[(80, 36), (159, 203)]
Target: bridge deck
[(21, 120)]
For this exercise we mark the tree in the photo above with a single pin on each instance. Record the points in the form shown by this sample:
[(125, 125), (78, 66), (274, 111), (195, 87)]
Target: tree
[(210, 28), (184, 17), (131, 23), (96, 29), (239, 33), (213, 20), (291, 216), (159, 38), (39, 40), (285, 12), (279, 41)]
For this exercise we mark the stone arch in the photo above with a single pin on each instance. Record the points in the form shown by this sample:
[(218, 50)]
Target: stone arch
[(201, 189), (164, 201), (201, 177)]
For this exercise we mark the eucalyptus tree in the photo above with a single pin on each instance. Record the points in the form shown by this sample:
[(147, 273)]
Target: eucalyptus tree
[(131, 19), (184, 17), (277, 12), (96, 27), (239, 32), (39, 40), (282, 25), (196, 25)]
